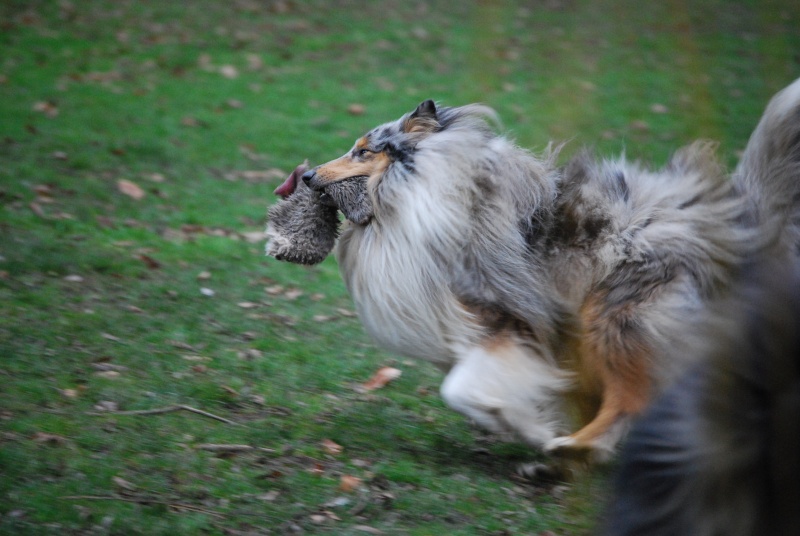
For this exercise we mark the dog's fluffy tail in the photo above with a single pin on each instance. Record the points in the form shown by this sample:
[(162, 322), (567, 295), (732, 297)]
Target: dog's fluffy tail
[(769, 172)]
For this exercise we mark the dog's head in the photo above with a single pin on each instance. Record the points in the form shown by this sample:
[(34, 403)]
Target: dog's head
[(355, 181)]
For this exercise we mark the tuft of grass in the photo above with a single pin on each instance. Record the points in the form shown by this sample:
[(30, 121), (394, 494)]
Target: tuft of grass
[(110, 303)]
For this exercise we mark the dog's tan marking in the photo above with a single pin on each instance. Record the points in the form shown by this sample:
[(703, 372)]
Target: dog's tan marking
[(345, 167), (614, 373)]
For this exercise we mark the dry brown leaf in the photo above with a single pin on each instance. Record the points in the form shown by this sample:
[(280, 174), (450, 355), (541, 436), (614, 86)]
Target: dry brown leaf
[(131, 189), (331, 447), (50, 109), (149, 261), (190, 122), (123, 484), (229, 71), (52, 439), (203, 276), (155, 177), (356, 109), (367, 529), (248, 305), (293, 294), (195, 358), (349, 484), (107, 374), (274, 290), (383, 376), (37, 209)]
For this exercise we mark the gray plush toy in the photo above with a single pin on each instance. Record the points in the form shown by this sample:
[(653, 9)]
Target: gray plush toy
[(304, 225)]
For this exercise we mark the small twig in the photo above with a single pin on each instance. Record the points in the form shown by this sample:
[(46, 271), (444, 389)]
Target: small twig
[(167, 409), (144, 501), (215, 447)]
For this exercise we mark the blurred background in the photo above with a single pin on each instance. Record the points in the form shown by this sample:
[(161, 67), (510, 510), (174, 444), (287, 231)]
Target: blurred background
[(140, 142)]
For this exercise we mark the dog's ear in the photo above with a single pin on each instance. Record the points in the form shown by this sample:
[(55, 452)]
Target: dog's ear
[(423, 119), (425, 109)]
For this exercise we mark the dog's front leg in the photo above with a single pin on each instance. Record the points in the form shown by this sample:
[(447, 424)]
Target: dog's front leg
[(506, 388)]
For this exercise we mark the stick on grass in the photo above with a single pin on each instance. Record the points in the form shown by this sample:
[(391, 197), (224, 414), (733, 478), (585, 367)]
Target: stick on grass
[(167, 409)]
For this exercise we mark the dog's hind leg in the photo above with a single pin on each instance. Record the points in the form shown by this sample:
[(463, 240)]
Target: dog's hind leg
[(614, 357)]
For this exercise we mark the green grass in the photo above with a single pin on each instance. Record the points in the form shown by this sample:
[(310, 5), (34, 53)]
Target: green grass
[(184, 98)]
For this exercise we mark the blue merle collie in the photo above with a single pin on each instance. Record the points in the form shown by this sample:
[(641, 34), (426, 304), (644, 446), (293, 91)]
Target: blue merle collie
[(558, 300)]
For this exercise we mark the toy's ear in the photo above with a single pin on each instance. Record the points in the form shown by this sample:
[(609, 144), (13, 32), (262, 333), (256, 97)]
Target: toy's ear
[(423, 119)]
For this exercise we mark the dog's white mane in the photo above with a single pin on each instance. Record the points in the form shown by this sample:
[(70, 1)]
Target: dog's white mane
[(451, 209)]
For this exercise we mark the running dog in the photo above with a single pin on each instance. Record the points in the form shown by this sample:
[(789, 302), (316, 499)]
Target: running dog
[(558, 300)]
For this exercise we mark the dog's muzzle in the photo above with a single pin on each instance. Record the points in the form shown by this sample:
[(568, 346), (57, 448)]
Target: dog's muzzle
[(311, 180)]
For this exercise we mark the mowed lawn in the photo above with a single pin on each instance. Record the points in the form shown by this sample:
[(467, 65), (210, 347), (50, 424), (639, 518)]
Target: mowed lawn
[(159, 375)]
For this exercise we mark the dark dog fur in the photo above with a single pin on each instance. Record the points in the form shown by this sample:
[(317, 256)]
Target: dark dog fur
[(718, 454)]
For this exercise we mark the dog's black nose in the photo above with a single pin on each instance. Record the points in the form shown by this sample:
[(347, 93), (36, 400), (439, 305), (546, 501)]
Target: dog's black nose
[(308, 176)]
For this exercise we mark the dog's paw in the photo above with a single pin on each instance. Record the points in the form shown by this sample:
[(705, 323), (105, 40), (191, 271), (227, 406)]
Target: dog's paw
[(569, 447), (539, 473)]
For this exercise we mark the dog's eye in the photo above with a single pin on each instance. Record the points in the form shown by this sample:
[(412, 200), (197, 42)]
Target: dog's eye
[(362, 152)]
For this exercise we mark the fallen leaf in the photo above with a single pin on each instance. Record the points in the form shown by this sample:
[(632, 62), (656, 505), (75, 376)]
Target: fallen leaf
[(106, 405), (383, 376), (293, 294), (659, 108), (254, 62), (356, 109), (331, 447), (230, 390), (73, 278), (203, 276), (322, 318), (195, 358), (190, 122), (318, 519), (46, 107), (131, 189), (149, 261), (349, 483), (248, 305), (107, 374), (52, 439), (274, 290), (206, 291), (229, 71), (37, 209), (155, 177), (367, 529), (108, 366), (69, 393), (124, 484)]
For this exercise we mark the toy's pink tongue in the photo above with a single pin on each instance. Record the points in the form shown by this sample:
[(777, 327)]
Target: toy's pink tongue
[(290, 184)]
